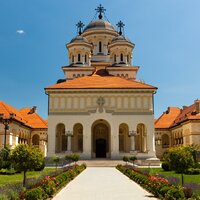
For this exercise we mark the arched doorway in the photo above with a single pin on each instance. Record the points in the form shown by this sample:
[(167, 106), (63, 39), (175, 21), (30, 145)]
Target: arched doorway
[(100, 139)]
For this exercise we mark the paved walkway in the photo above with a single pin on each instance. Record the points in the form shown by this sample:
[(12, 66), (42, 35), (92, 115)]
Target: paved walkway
[(102, 183)]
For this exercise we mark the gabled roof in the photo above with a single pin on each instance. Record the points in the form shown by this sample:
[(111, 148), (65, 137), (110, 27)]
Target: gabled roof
[(175, 116), (6, 110), (24, 116), (188, 113), (33, 118), (101, 82), (167, 118)]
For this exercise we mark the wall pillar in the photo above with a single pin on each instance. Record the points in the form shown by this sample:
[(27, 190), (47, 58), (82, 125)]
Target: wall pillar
[(114, 140), (87, 141)]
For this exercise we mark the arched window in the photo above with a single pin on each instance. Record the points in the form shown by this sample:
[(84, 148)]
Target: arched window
[(77, 139), (85, 58), (115, 58), (124, 140), (100, 47), (61, 138), (127, 58), (35, 140), (73, 59), (121, 57), (79, 57), (165, 141), (141, 138)]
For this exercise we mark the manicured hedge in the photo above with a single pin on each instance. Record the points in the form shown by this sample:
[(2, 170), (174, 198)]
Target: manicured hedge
[(160, 187), (50, 185)]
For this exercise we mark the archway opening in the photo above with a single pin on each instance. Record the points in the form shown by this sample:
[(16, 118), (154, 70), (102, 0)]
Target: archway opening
[(100, 139)]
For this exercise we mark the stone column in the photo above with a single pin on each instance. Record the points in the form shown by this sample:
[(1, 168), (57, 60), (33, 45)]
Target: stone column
[(69, 143), (132, 134)]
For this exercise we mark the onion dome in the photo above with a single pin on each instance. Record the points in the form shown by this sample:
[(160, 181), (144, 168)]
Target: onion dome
[(120, 38), (79, 39), (99, 24)]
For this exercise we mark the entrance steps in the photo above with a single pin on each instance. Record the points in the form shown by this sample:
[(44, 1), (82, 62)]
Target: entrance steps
[(101, 163)]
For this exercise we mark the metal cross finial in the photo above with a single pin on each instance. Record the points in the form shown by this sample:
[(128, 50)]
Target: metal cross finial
[(80, 25), (120, 25), (101, 10)]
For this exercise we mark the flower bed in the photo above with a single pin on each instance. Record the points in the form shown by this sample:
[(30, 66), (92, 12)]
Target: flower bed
[(48, 186), (158, 186)]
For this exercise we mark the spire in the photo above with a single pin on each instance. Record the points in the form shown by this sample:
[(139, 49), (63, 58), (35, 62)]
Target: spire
[(120, 25), (80, 26), (100, 9)]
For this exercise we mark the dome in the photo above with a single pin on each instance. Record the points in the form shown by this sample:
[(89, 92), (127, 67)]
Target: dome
[(120, 38), (99, 24), (79, 38)]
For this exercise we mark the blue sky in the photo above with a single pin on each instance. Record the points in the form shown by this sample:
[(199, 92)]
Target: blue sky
[(33, 35)]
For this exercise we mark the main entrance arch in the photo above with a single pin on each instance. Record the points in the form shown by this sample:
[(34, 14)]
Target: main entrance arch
[(100, 139)]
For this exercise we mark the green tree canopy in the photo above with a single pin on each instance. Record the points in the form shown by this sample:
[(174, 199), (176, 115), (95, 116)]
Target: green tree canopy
[(26, 158)]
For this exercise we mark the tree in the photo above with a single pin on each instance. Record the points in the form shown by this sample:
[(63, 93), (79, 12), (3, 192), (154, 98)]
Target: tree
[(5, 162), (26, 158), (133, 159), (180, 159), (56, 159), (125, 159), (73, 157)]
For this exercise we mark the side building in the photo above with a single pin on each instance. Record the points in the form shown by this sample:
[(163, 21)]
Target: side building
[(177, 127), (22, 126)]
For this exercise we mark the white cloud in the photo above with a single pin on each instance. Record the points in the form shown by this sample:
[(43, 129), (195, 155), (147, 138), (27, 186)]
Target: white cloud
[(20, 31)]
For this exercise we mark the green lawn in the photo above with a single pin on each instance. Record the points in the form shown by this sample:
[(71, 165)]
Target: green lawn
[(17, 178)]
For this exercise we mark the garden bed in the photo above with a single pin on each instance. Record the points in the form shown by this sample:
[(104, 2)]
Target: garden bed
[(43, 188), (158, 186)]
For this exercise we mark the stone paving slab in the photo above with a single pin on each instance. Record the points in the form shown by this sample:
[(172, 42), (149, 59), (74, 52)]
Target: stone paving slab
[(102, 183)]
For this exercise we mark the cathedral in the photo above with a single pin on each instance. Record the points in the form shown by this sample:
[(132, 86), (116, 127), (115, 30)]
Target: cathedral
[(100, 110)]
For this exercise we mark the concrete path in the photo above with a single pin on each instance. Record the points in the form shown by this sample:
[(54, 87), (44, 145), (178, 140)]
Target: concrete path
[(102, 183)]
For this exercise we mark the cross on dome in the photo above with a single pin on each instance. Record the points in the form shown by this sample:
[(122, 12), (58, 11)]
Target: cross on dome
[(80, 26), (120, 25), (100, 9)]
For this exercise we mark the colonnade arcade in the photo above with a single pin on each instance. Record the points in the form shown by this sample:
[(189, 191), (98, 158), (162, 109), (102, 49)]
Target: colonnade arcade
[(101, 135)]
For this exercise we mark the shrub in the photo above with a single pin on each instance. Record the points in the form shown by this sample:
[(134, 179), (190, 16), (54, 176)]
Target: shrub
[(174, 194), (159, 186), (193, 171), (7, 171), (13, 195), (132, 158), (73, 157), (34, 194), (40, 166), (165, 166), (125, 159), (3, 197), (187, 192)]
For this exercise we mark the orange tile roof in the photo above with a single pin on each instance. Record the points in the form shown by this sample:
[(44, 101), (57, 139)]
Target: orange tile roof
[(7, 110), (175, 116), (100, 82), (187, 113), (167, 118), (32, 120)]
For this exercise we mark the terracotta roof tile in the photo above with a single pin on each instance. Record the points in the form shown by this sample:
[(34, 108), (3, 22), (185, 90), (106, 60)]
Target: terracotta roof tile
[(7, 110), (32, 120), (175, 116), (167, 118), (100, 82)]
